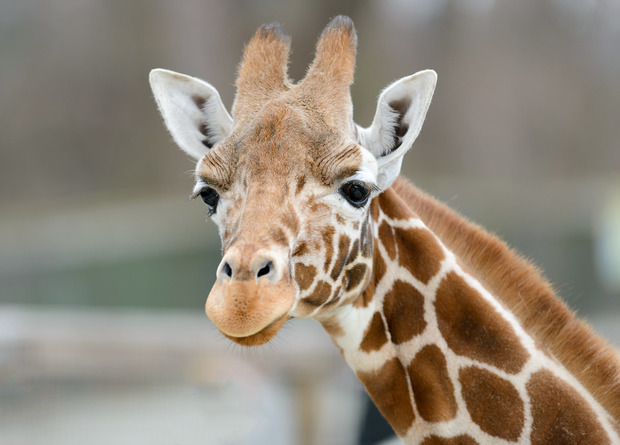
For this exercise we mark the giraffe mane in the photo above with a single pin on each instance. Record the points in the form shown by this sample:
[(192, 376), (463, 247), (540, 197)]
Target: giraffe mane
[(521, 287)]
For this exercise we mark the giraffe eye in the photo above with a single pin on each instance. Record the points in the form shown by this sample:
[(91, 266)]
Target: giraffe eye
[(356, 193), (210, 198)]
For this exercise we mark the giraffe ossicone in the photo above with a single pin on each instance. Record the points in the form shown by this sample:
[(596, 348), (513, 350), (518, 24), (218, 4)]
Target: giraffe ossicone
[(456, 339)]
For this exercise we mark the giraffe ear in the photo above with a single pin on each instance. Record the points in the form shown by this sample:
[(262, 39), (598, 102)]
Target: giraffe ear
[(401, 110), (192, 110)]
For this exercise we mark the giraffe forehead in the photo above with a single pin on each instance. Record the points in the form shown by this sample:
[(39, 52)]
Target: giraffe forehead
[(284, 144)]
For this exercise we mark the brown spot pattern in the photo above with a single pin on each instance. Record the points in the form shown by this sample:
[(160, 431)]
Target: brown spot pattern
[(291, 221), (375, 336), (474, 329), (521, 288), (321, 293), (343, 252), (374, 210), (304, 275), (560, 414), (355, 276), (386, 235), (335, 297), (379, 267), (354, 252), (394, 208), (432, 388), (365, 297), (333, 328), (403, 308), (333, 301), (389, 390), (278, 236), (328, 237), (458, 440), (493, 403), (301, 181), (319, 209), (419, 252), (301, 249)]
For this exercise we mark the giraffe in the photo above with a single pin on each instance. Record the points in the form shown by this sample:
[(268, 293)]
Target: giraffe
[(456, 338)]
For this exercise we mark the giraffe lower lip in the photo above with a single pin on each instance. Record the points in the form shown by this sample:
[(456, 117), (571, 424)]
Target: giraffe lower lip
[(261, 337)]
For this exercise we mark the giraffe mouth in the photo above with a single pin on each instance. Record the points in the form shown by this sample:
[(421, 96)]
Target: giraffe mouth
[(263, 336), (247, 312)]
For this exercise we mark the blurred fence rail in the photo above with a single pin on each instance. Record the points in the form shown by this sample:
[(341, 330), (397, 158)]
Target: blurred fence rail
[(98, 376)]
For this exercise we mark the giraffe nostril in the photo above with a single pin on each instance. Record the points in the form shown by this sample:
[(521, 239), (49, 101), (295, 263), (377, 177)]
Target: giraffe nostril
[(265, 270), (227, 270)]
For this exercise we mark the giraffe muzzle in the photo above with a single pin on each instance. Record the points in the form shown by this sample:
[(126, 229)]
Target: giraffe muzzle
[(251, 297)]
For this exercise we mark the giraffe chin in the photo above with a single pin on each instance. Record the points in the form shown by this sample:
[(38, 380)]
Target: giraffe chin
[(261, 337)]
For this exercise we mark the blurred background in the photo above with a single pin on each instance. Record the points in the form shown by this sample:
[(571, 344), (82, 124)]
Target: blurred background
[(105, 264)]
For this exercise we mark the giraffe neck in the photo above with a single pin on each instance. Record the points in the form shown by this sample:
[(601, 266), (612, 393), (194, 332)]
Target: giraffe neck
[(442, 358)]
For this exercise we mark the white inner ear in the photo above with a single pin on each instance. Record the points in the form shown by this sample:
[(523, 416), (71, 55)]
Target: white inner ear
[(192, 110), (401, 110)]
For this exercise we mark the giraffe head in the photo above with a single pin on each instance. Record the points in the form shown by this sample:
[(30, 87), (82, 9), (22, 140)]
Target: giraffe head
[(289, 177)]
